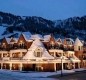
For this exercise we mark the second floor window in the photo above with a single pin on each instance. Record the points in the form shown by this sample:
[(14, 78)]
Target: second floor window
[(21, 44), (3, 45)]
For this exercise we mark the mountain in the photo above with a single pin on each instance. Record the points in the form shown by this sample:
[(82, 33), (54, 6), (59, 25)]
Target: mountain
[(73, 27), (13, 25)]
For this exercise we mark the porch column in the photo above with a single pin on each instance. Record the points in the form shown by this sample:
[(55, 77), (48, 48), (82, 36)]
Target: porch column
[(10, 66), (62, 66), (20, 67), (2, 55), (78, 65), (54, 66), (20, 54), (62, 61), (68, 65), (74, 65), (54, 54), (1, 65), (10, 55)]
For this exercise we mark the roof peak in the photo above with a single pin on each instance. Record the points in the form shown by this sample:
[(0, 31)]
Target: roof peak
[(78, 42)]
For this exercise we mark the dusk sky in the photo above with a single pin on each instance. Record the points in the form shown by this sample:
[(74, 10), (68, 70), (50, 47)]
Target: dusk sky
[(49, 9)]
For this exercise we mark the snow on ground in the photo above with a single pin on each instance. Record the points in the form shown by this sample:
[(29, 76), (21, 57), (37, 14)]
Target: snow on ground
[(81, 69), (16, 75), (34, 74), (22, 75)]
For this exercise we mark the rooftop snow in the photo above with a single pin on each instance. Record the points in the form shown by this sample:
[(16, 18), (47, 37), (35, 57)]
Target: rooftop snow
[(37, 44), (78, 42)]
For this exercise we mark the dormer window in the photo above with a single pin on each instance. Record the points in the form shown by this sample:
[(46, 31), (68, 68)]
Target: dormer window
[(11, 45), (21, 44), (79, 48), (38, 52), (52, 43), (21, 41), (3, 45)]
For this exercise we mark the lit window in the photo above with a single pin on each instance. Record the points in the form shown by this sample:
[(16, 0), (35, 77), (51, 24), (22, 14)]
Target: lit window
[(38, 52), (52, 43), (21, 43), (3, 45), (79, 48)]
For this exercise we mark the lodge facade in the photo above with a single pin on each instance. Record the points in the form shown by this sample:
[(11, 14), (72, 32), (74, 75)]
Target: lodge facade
[(37, 53)]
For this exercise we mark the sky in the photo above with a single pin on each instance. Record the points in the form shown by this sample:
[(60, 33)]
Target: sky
[(49, 9)]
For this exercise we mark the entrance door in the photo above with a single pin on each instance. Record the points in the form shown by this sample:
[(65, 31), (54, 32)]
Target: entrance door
[(33, 67), (39, 68)]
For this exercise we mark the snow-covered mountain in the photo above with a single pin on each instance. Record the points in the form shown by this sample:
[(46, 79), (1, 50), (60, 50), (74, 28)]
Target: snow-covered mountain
[(73, 27), (13, 25)]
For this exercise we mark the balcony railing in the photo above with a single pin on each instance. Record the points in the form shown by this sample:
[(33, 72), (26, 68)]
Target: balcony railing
[(68, 49), (56, 47), (18, 47), (16, 58), (4, 49), (61, 48), (14, 47)]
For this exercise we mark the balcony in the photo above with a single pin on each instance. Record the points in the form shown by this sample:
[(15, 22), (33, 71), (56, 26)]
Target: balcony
[(16, 58), (18, 47), (68, 49), (6, 58), (56, 47), (4, 49)]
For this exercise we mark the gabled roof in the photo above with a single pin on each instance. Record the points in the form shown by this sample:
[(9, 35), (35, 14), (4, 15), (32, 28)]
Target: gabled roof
[(13, 40), (78, 42), (47, 37), (8, 40), (68, 41), (30, 54), (26, 35), (59, 40), (36, 36)]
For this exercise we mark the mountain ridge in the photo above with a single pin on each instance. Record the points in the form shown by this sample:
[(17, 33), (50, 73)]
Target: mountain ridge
[(72, 27)]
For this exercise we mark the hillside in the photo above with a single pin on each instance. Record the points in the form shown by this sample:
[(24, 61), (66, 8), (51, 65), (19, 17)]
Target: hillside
[(71, 27)]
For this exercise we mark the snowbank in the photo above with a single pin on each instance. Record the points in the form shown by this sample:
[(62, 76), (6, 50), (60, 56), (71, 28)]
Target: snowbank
[(33, 74), (81, 69)]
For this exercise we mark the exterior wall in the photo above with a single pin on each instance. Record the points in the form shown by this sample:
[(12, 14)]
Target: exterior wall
[(79, 54), (48, 67)]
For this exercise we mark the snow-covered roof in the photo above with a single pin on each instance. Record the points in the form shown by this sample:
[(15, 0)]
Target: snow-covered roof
[(78, 42), (37, 44), (8, 40), (26, 35), (36, 36), (59, 40), (14, 40), (47, 37), (70, 39)]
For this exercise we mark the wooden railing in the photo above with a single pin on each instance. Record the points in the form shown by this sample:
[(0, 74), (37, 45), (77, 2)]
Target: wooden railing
[(12, 48)]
